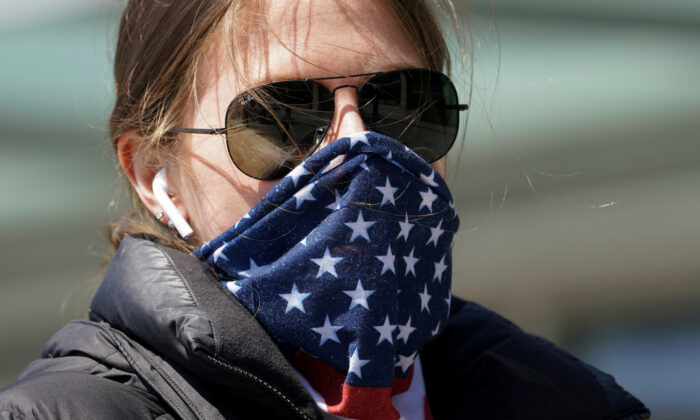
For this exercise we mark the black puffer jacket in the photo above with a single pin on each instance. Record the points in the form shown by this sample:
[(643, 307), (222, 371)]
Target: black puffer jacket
[(165, 341)]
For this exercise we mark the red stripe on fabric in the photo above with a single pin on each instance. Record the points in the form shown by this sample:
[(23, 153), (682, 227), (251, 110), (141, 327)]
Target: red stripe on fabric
[(401, 385), (427, 414), (345, 400), (365, 403), (323, 378)]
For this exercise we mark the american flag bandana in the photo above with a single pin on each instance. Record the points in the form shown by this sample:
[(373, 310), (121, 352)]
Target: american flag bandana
[(346, 263)]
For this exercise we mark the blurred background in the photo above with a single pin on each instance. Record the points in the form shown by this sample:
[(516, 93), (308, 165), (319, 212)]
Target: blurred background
[(578, 181)]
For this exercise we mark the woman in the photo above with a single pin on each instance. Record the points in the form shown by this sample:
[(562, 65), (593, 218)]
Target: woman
[(292, 287)]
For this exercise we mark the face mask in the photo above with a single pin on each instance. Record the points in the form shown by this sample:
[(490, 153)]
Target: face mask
[(347, 265)]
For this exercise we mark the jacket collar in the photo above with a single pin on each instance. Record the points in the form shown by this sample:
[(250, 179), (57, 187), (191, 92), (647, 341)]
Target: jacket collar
[(173, 303)]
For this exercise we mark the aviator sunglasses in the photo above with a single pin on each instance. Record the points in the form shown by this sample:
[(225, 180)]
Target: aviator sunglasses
[(272, 128)]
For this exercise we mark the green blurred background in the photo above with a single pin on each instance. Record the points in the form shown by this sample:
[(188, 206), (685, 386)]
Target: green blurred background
[(577, 183)]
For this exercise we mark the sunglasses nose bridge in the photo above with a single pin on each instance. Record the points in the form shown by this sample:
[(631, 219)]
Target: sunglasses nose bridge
[(335, 89)]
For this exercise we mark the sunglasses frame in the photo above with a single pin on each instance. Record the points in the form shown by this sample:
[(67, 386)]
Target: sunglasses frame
[(222, 131)]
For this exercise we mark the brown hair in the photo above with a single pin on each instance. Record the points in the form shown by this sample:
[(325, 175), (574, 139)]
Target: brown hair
[(160, 46)]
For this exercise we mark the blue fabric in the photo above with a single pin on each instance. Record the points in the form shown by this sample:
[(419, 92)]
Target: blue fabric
[(348, 258)]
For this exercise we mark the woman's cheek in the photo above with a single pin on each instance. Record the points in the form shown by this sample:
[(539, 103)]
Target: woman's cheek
[(440, 166)]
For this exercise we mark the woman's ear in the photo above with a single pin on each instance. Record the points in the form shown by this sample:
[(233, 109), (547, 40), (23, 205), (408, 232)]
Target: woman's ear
[(140, 171)]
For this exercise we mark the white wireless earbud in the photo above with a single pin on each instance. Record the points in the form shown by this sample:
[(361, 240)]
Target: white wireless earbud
[(175, 219)]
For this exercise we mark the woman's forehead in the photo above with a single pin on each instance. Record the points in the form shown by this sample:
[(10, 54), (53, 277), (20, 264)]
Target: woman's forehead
[(306, 39)]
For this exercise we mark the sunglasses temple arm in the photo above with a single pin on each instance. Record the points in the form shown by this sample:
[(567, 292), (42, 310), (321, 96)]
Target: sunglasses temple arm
[(458, 107), (208, 131)]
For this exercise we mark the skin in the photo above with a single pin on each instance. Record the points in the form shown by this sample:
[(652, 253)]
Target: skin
[(305, 39)]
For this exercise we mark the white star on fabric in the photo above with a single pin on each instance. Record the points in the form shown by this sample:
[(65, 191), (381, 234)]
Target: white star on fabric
[(252, 269), (327, 331), (337, 203), (356, 364), (385, 331), (297, 173), (334, 163), (434, 332), (411, 263), (387, 193), (295, 299), (387, 261), (326, 264), (359, 228), (448, 300), (359, 296), (440, 268), (218, 254), (405, 331), (389, 156), (424, 299), (435, 234), (363, 165), (303, 241), (245, 216), (406, 227), (429, 198), (429, 179), (405, 362), (358, 138), (304, 194), (233, 286)]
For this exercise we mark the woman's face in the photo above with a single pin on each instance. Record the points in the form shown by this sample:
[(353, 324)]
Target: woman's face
[(304, 39)]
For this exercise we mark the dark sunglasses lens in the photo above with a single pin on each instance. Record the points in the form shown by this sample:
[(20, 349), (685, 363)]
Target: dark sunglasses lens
[(417, 107), (275, 127)]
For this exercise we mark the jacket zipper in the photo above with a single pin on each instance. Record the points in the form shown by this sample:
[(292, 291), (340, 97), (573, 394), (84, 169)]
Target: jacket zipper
[(260, 381)]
